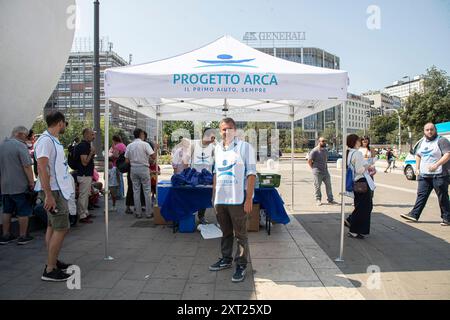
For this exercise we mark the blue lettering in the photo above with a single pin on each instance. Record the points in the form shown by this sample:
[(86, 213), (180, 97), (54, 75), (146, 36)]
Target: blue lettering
[(184, 79), (256, 79), (176, 77), (273, 80), (235, 79), (248, 80), (204, 79)]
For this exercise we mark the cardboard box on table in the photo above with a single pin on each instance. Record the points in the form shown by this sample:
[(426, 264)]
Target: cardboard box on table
[(158, 218)]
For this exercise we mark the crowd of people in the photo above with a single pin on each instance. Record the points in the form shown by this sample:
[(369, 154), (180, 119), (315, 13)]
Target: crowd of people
[(64, 197), (432, 154)]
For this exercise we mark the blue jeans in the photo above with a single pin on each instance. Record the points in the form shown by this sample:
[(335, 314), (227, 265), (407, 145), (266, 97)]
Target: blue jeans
[(426, 185)]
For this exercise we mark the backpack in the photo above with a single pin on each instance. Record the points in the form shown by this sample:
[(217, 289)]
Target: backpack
[(72, 160), (121, 164)]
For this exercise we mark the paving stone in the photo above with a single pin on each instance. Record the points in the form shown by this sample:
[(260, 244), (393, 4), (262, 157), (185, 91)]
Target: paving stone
[(126, 290), (283, 270), (196, 291), (174, 267), (158, 296), (184, 249), (200, 274), (309, 290), (165, 286), (100, 279), (234, 295), (140, 271), (270, 250)]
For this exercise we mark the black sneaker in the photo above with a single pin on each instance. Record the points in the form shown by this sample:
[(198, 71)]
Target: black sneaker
[(24, 240), (61, 265), (445, 223), (220, 265), (409, 217), (239, 275), (56, 275), (7, 239)]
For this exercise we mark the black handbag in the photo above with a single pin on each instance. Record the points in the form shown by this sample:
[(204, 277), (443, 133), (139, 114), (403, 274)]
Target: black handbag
[(360, 187)]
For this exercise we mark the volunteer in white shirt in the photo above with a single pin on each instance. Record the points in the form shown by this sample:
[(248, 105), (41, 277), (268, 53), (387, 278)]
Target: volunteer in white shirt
[(233, 187), (432, 165), (202, 157), (55, 188)]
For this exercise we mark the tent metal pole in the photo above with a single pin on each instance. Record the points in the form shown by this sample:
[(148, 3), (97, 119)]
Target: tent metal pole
[(292, 158), (157, 154), (106, 170), (343, 182)]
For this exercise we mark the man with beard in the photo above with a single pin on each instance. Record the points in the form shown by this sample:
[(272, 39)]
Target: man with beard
[(432, 171), (55, 189)]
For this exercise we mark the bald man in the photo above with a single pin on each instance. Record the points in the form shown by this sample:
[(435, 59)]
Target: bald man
[(432, 171)]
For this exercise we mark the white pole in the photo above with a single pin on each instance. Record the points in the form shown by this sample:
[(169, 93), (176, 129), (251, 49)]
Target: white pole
[(343, 174), (106, 170), (157, 154), (292, 158)]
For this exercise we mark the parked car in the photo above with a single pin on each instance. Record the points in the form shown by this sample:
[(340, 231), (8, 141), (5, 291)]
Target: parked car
[(409, 167)]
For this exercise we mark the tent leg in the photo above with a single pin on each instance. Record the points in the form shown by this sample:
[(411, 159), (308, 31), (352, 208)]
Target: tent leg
[(106, 170), (343, 182), (157, 157), (292, 160)]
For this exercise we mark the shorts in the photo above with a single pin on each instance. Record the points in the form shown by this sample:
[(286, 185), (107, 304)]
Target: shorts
[(114, 191), (60, 220), (19, 204)]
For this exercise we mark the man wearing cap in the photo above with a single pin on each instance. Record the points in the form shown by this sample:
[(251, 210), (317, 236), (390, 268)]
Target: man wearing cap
[(85, 153)]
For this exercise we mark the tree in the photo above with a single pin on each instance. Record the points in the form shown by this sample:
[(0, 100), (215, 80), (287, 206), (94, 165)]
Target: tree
[(172, 130), (381, 126), (431, 106), (329, 133)]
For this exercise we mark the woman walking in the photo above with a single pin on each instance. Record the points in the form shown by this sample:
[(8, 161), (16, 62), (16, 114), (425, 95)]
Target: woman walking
[(359, 220)]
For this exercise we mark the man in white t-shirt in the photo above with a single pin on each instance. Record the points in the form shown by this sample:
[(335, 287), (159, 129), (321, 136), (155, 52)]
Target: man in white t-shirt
[(233, 187), (138, 155), (202, 157), (432, 171), (55, 188)]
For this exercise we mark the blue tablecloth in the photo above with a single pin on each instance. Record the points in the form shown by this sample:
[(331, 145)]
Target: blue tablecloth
[(178, 203)]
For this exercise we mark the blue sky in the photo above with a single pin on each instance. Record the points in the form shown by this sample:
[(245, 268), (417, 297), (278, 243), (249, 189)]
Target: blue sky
[(413, 34)]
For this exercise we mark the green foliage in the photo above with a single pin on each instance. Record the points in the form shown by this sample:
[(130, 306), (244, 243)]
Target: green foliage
[(170, 127), (165, 159), (383, 129), (300, 139), (431, 106), (76, 126)]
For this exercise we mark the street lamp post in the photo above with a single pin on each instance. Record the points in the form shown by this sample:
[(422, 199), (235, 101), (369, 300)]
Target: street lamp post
[(399, 130), (404, 109), (96, 69)]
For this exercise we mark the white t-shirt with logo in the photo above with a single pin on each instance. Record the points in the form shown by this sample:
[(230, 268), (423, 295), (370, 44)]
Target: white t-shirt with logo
[(202, 156), (232, 166)]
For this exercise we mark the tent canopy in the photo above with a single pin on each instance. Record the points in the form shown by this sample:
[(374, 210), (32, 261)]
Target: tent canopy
[(226, 78)]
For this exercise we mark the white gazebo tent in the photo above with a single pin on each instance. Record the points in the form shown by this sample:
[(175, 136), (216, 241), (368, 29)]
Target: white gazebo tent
[(225, 78)]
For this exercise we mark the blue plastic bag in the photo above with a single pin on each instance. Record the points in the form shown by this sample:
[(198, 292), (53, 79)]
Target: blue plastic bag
[(349, 177)]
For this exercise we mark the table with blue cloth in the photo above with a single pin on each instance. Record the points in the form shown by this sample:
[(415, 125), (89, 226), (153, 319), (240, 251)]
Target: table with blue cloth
[(178, 203)]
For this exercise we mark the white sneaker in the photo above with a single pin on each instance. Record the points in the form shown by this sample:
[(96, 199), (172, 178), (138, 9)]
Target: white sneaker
[(113, 209), (318, 203)]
